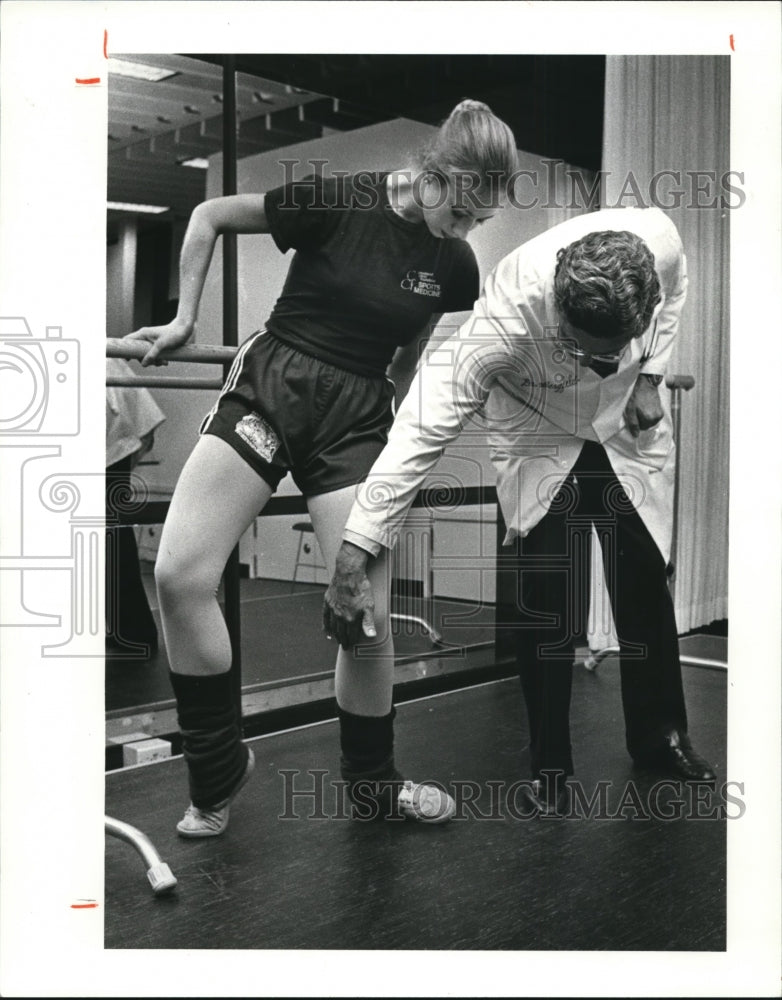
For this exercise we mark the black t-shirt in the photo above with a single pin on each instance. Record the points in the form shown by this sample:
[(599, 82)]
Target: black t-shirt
[(363, 281)]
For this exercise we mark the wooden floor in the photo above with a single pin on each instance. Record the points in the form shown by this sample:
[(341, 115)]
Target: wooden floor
[(621, 882)]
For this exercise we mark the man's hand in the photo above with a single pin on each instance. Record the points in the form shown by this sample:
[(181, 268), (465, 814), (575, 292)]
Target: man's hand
[(348, 605), (644, 409)]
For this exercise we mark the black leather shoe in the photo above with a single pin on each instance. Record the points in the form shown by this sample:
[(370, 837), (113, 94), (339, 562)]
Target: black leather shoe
[(677, 757)]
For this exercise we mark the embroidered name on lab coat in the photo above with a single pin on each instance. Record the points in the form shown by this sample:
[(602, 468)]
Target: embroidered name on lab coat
[(558, 384)]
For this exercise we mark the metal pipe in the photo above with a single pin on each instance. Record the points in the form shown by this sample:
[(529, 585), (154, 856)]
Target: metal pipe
[(154, 511), (131, 350), (594, 657), (703, 661), (427, 626), (164, 382), (231, 340), (676, 383), (159, 874), (427, 584)]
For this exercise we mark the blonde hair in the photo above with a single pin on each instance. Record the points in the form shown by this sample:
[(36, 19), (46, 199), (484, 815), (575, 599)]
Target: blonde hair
[(472, 139)]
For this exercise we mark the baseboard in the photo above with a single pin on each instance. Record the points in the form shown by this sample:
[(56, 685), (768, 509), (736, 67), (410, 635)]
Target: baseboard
[(269, 708)]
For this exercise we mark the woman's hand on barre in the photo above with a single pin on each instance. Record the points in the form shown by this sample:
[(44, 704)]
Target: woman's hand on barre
[(162, 338), (349, 605)]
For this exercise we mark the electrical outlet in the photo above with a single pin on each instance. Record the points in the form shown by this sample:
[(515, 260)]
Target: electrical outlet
[(145, 752)]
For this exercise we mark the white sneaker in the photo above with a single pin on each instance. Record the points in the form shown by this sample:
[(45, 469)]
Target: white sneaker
[(212, 822), (425, 803)]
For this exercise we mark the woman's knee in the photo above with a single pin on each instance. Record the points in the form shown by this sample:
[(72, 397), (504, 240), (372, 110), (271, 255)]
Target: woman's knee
[(179, 578)]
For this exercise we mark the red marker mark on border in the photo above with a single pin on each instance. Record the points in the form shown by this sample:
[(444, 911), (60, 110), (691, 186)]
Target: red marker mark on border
[(106, 41), (732, 47), (88, 80), (84, 906)]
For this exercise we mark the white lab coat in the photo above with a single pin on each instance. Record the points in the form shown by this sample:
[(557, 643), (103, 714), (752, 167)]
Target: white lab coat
[(538, 406), (132, 415)]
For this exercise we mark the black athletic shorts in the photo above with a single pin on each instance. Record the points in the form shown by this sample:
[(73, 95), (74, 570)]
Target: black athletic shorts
[(285, 411)]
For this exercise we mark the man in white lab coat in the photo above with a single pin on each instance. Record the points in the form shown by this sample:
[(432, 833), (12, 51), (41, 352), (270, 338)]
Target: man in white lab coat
[(562, 358)]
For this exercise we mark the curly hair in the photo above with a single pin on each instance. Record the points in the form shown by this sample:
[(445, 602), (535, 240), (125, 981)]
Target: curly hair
[(606, 284), (473, 140)]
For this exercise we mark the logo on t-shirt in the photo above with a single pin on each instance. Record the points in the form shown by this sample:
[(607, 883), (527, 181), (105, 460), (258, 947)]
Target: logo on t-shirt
[(421, 283)]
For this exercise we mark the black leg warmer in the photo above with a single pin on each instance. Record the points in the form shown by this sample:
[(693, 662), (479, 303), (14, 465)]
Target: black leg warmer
[(367, 743), (211, 737)]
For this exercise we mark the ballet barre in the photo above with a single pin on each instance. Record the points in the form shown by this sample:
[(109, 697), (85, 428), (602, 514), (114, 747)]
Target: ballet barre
[(134, 350)]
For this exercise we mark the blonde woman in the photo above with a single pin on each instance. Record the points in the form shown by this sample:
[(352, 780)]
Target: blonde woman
[(379, 258)]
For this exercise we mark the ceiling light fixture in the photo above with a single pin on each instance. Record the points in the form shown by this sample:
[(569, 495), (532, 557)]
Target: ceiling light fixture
[(127, 206), (140, 71)]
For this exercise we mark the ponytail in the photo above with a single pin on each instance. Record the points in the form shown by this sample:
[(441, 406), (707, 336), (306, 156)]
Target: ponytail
[(473, 139)]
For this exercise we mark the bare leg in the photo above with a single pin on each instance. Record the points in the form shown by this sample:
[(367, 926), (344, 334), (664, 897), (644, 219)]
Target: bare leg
[(217, 497), (364, 677), (365, 686)]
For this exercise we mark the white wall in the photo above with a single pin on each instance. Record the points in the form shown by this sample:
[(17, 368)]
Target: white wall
[(120, 280)]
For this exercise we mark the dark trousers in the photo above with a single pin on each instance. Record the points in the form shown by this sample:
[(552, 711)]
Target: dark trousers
[(129, 620), (554, 590)]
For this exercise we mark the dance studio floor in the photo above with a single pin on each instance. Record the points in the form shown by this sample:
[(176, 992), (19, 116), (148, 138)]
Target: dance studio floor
[(646, 871)]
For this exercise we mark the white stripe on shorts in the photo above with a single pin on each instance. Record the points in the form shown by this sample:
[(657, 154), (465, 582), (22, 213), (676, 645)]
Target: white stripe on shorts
[(393, 398), (233, 378)]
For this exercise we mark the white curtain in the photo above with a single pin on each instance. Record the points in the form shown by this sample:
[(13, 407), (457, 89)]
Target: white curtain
[(671, 113)]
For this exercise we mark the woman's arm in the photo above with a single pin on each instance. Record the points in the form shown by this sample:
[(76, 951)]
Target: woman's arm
[(405, 362), (403, 367), (242, 213)]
